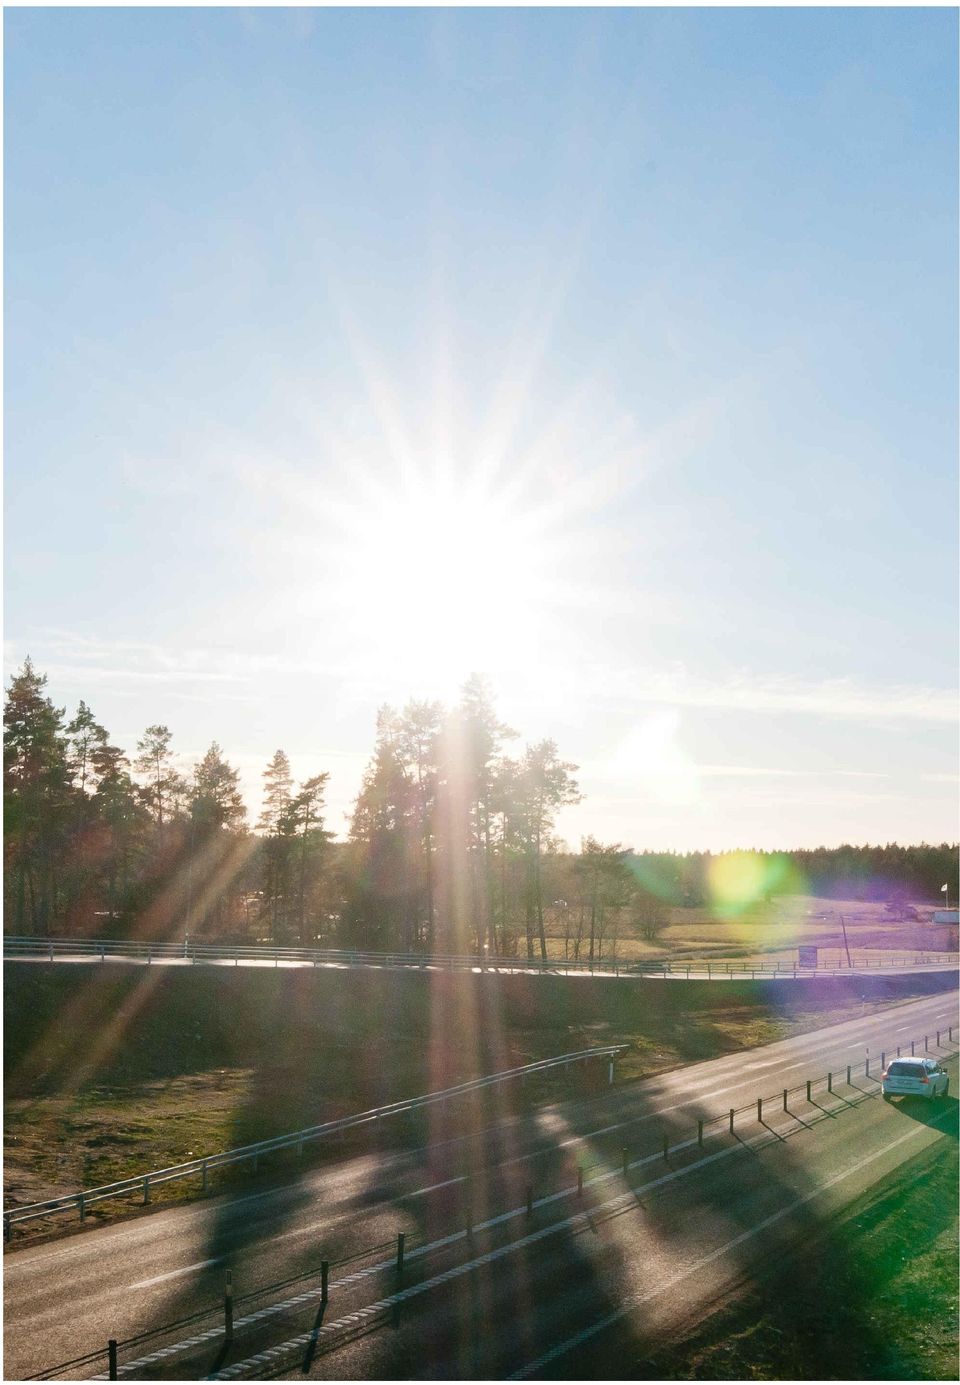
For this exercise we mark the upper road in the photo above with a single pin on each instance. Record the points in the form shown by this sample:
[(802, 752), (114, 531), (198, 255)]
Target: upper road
[(67, 1297), (87, 950)]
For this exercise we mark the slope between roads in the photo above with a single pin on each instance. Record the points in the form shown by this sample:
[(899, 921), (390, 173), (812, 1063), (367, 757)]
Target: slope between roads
[(125, 1278)]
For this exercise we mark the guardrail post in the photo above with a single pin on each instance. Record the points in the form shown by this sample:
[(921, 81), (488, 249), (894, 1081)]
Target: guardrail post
[(912, 1047), (81, 1205), (883, 1060), (324, 1280), (7, 1227), (203, 1177), (732, 1114), (625, 1160), (112, 1359), (579, 1180), (103, 955), (808, 1088), (926, 1043), (848, 1074), (146, 1190), (829, 1081), (401, 1240), (760, 1109), (610, 1074), (51, 952), (898, 1050), (228, 1307), (784, 1098), (938, 1038), (529, 1201), (700, 1133), (950, 1033)]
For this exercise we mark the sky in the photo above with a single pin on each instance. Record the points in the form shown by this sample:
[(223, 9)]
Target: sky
[(611, 353)]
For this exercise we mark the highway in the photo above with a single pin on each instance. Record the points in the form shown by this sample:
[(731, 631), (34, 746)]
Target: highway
[(590, 1259)]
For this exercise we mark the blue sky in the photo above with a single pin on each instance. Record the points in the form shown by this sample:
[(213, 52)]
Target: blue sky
[(612, 353)]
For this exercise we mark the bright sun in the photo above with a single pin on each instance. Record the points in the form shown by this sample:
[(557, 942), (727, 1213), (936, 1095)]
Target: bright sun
[(445, 579)]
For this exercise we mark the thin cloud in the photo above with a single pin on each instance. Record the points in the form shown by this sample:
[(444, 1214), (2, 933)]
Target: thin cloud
[(838, 698), (758, 771)]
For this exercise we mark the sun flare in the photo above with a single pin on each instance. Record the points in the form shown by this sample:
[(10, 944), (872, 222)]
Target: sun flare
[(446, 577)]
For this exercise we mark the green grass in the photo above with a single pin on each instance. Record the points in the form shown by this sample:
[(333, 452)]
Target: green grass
[(872, 1297)]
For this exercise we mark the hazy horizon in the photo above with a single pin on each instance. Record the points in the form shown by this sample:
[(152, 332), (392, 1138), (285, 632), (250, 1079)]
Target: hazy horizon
[(609, 353)]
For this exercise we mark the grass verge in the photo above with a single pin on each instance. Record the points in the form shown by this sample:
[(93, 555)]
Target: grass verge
[(872, 1297)]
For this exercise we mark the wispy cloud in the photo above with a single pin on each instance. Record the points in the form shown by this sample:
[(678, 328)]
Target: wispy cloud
[(762, 771), (839, 698)]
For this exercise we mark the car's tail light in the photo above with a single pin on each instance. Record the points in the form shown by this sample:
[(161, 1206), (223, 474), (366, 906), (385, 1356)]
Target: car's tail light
[(925, 1081), (883, 1077)]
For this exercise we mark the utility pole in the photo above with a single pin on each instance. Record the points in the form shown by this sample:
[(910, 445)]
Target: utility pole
[(845, 943)]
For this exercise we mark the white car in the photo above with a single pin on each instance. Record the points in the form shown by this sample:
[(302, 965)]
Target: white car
[(914, 1077)]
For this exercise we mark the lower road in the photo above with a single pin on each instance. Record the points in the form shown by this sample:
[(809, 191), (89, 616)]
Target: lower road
[(544, 1271)]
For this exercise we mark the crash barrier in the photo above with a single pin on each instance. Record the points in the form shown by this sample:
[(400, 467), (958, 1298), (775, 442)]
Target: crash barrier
[(395, 1253), (142, 1184), (136, 950), (398, 1251)]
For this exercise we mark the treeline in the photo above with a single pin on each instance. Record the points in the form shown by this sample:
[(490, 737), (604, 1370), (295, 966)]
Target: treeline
[(451, 845)]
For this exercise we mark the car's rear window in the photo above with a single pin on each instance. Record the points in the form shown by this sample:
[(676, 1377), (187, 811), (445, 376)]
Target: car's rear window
[(905, 1070)]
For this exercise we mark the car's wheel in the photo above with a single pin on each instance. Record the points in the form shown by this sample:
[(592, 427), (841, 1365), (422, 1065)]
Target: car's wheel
[(886, 1096)]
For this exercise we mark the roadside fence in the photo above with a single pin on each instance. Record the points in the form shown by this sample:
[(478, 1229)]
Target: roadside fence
[(142, 1184), (395, 1254), (136, 950)]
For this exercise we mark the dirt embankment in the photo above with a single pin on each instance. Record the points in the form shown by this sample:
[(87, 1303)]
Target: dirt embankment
[(68, 1026)]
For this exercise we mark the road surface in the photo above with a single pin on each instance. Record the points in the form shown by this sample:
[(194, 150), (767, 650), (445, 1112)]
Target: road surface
[(507, 1313)]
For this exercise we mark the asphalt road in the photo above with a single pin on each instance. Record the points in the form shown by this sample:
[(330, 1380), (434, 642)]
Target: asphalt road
[(698, 970), (508, 1312)]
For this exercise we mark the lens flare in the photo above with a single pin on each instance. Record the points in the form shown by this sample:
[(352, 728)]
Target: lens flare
[(740, 880)]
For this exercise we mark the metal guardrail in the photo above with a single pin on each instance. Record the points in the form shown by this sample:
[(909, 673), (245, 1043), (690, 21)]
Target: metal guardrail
[(707, 1127), (142, 1183), (145, 951)]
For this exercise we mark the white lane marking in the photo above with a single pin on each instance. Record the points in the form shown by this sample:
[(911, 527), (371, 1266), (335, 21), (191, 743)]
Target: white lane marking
[(578, 1220), (814, 1041), (175, 1274), (637, 1299), (435, 1187), (216, 1333)]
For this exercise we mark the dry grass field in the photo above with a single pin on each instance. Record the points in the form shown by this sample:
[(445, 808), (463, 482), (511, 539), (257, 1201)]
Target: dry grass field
[(767, 932)]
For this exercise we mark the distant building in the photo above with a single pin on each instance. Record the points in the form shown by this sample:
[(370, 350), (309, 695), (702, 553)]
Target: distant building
[(946, 916)]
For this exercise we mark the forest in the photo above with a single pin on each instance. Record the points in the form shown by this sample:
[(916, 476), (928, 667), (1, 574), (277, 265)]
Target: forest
[(451, 847)]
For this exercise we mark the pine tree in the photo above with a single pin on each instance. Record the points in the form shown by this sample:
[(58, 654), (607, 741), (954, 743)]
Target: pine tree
[(275, 822), (164, 786), (37, 794)]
